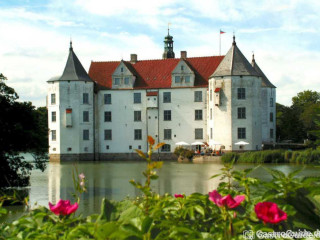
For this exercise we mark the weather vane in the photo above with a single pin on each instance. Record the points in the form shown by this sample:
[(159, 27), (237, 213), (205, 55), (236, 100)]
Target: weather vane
[(169, 23)]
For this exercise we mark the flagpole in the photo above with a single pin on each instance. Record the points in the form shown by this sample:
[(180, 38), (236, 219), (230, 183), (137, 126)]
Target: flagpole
[(220, 42)]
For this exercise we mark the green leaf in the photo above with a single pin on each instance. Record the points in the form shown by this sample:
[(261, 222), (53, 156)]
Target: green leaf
[(199, 209), (146, 224), (216, 175), (294, 173), (132, 230), (107, 210), (275, 173), (105, 230)]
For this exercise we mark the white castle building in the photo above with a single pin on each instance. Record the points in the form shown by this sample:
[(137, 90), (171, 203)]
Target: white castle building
[(109, 112)]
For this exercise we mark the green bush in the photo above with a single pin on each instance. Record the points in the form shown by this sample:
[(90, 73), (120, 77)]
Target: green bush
[(229, 157), (274, 156), (183, 152)]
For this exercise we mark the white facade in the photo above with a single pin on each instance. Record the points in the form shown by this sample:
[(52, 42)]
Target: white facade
[(175, 116), (89, 121)]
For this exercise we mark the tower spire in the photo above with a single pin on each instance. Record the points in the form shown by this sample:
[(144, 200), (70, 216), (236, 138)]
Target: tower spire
[(70, 48), (168, 45)]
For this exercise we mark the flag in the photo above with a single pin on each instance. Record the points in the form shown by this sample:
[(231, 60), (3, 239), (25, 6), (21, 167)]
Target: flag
[(222, 32)]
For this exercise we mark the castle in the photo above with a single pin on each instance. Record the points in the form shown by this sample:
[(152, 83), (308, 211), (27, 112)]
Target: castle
[(107, 113)]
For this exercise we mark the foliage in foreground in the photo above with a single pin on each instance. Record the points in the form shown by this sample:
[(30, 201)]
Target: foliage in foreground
[(274, 156), (152, 216)]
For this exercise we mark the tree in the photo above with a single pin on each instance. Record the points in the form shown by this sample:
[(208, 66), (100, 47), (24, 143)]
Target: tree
[(289, 126), (23, 128)]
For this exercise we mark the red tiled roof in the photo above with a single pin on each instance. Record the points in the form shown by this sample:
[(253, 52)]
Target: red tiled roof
[(152, 93), (155, 73)]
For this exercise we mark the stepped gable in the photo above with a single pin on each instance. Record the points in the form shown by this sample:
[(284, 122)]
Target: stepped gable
[(155, 73), (74, 70), (265, 81), (234, 64)]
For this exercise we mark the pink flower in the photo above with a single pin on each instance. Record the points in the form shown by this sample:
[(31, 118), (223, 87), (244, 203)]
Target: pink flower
[(228, 201), (82, 184), (63, 207), (82, 176), (179, 196), (269, 212)]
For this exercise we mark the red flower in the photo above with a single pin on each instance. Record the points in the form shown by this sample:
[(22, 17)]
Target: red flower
[(179, 196), (63, 207), (269, 212), (228, 201)]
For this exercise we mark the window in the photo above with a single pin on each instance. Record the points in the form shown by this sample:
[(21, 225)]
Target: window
[(198, 133), (182, 68), (198, 96), (211, 133), (271, 102), (126, 80), (53, 98), (241, 93), (53, 116), (107, 134), (241, 113), (117, 81), (210, 94), (130, 147), (167, 134), (177, 79), (271, 133), (136, 97), (107, 117), (167, 97), (167, 115), (187, 79), (137, 134), (198, 115), (210, 113), (137, 116), (107, 98), (86, 134), (165, 148), (85, 116), (241, 133), (271, 117), (122, 69), (107, 147), (85, 98), (139, 147), (53, 135)]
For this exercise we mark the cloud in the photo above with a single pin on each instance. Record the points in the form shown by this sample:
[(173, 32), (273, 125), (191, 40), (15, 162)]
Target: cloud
[(284, 34), (22, 14)]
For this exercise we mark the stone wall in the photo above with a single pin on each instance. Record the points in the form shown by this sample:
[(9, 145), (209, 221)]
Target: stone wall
[(109, 157)]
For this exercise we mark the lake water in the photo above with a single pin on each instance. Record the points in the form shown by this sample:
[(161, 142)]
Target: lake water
[(111, 180)]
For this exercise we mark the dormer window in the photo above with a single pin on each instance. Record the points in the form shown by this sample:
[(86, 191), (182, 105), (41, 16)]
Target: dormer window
[(117, 81), (177, 79), (182, 75)]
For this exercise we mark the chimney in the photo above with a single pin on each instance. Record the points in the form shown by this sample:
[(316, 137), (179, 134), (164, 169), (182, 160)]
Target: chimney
[(133, 58), (183, 54)]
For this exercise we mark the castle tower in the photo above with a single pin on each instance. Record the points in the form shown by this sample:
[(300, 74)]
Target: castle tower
[(71, 113), (268, 106), (235, 103), (168, 47)]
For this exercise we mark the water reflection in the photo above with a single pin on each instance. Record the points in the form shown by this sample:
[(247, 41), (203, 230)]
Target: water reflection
[(111, 180)]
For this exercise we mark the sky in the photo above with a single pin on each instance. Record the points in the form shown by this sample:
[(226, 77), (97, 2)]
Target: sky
[(35, 34)]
